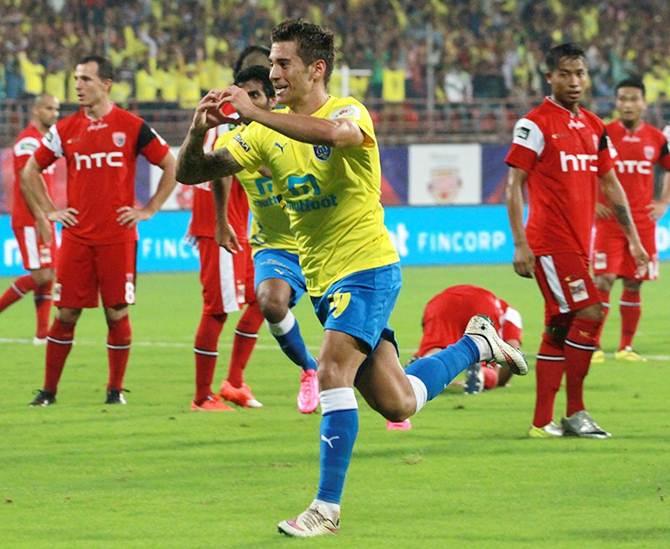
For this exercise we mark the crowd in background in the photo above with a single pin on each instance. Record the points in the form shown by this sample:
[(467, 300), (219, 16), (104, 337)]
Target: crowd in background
[(169, 50)]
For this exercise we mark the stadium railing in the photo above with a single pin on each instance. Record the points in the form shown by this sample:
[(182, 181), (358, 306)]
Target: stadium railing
[(482, 121)]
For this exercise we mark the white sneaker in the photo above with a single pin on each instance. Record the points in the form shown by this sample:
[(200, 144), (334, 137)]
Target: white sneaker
[(581, 424), (317, 520), (550, 430), (503, 353)]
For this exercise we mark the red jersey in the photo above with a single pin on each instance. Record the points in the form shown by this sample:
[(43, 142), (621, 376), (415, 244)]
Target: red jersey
[(101, 157), (203, 217), (563, 154), (447, 314), (27, 142), (639, 151)]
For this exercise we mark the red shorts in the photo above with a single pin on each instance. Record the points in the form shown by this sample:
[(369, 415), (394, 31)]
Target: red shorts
[(565, 283), (227, 279), (439, 332), (34, 252), (612, 256), (86, 270)]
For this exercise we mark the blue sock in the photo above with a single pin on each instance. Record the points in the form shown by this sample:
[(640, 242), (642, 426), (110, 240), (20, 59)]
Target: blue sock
[(292, 344), (339, 427), (437, 371)]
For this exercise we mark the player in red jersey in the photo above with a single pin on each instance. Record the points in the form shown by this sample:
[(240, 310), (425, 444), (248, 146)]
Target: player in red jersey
[(444, 319), (38, 258), (227, 279), (100, 144), (562, 151), (640, 146)]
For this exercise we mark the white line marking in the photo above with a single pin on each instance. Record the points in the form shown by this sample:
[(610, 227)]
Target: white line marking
[(269, 347)]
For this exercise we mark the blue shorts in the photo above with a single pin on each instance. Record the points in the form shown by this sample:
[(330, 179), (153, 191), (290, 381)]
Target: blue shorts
[(360, 304), (283, 265)]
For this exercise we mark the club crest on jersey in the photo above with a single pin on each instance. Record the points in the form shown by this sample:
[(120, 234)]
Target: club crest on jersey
[(322, 152), (649, 152), (119, 138), (576, 124)]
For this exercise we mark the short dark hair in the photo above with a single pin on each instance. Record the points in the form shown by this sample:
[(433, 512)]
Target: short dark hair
[(256, 72), (246, 52), (314, 42), (105, 67), (570, 50), (632, 82)]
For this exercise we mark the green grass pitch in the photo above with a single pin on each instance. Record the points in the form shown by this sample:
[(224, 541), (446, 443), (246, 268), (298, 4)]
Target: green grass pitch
[(154, 474)]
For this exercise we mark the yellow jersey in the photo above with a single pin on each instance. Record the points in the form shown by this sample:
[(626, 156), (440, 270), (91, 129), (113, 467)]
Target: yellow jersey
[(269, 223), (331, 195)]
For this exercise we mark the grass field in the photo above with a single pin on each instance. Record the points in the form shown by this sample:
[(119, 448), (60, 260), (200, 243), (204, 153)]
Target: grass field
[(154, 474)]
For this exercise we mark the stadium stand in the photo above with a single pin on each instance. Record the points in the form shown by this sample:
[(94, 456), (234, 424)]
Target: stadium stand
[(428, 68)]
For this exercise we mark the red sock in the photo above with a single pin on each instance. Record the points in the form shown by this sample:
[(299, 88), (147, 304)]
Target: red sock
[(548, 374), (118, 350), (246, 334), (631, 310), (578, 348), (59, 343), (42, 309), (20, 287), (605, 302), (206, 341)]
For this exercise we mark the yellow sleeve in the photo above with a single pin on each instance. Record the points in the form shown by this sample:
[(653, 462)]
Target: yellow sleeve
[(245, 145), (350, 109)]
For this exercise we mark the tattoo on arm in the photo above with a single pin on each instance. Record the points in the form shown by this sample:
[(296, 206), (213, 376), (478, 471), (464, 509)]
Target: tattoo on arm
[(196, 166), (622, 214)]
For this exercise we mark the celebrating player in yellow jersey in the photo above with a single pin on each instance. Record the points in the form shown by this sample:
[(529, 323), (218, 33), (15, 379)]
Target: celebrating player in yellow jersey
[(323, 155)]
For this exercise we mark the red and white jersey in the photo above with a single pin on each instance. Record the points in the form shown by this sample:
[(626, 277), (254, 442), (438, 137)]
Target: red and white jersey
[(639, 150), (203, 217), (101, 157), (563, 154), (27, 142)]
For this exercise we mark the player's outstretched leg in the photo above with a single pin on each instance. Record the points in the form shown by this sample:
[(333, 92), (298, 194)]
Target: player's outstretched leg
[(430, 375), (20, 287)]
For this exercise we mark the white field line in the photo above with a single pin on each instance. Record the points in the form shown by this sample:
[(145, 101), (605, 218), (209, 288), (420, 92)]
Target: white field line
[(226, 345)]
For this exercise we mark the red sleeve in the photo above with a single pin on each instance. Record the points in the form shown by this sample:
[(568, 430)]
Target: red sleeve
[(606, 154), (44, 156), (521, 157), (151, 145)]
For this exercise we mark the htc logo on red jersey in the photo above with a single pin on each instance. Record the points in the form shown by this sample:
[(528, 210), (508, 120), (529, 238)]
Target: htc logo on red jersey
[(643, 167), (98, 160), (579, 162)]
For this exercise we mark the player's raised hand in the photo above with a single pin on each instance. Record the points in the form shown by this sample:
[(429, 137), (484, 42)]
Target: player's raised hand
[(67, 216), (226, 237), (657, 209), (641, 258), (524, 261), (207, 114), (239, 99), (130, 216)]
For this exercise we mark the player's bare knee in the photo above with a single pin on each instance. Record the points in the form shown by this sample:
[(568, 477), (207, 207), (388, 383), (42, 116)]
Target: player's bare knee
[(42, 276), (604, 282), (114, 314), (273, 307), (593, 312), (67, 315), (632, 285)]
